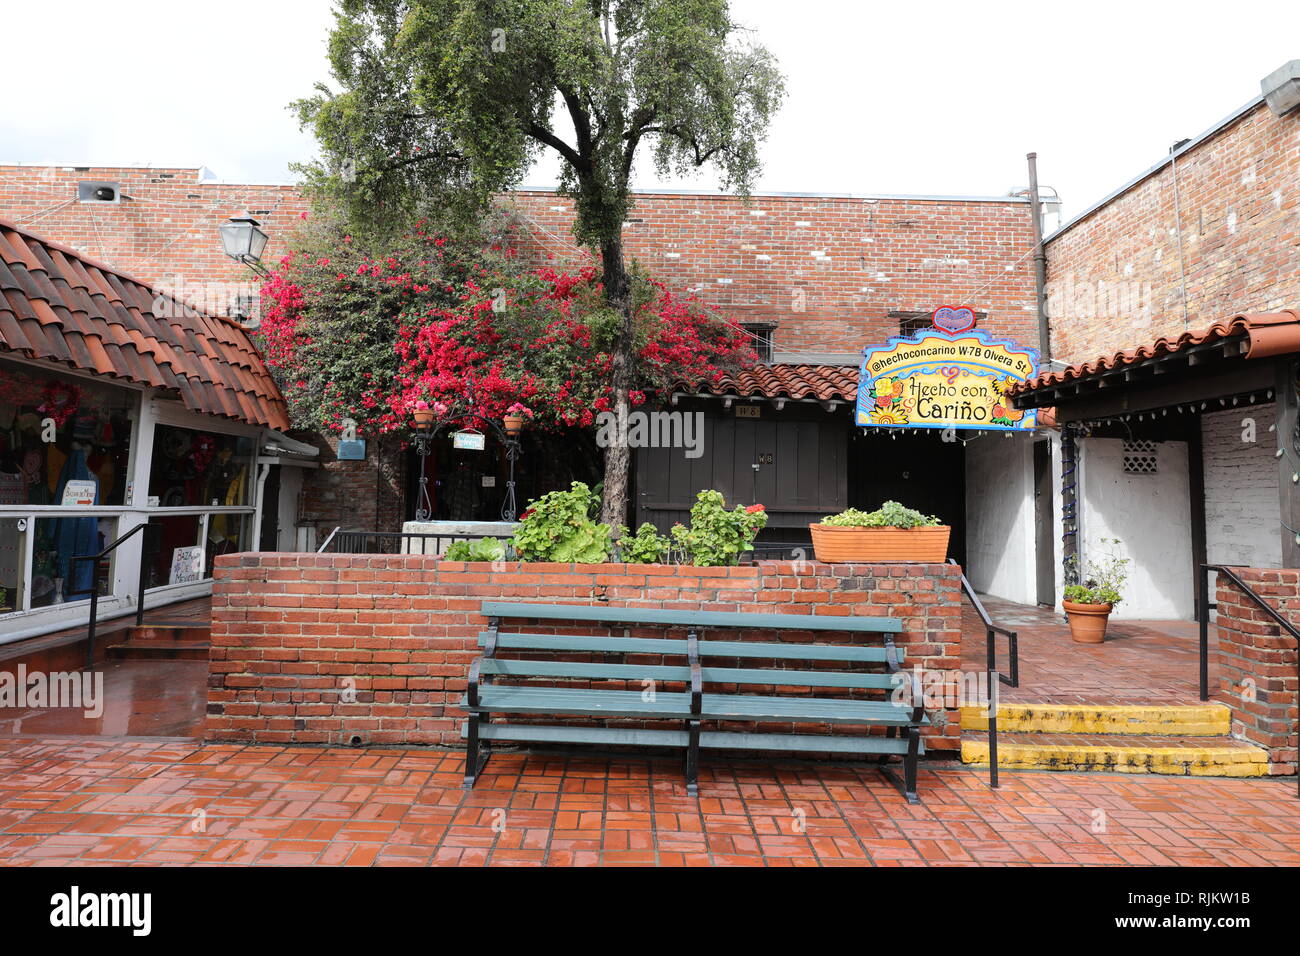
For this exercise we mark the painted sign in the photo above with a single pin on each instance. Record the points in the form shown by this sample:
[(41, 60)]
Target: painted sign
[(468, 440), (352, 450), (945, 379), (187, 565), (80, 491)]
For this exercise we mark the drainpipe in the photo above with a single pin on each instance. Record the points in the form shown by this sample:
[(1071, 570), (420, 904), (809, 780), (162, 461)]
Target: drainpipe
[(1040, 263), (1069, 505), (256, 533)]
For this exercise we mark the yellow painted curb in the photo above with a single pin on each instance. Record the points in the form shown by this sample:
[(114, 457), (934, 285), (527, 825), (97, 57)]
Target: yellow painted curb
[(1172, 720), (1236, 759)]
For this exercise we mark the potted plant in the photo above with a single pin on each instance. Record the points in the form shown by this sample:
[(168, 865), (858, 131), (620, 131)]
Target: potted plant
[(891, 533), (514, 418), (1088, 605)]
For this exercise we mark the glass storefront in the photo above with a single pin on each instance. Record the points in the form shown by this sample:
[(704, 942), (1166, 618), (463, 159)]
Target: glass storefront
[(66, 463), (62, 439)]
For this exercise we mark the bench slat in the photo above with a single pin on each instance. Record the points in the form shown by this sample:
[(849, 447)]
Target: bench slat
[(512, 668), (650, 615), (712, 675), (614, 736), (628, 703), (656, 645)]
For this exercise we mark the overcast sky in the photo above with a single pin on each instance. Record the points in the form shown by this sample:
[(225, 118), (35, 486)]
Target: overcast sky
[(924, 98)]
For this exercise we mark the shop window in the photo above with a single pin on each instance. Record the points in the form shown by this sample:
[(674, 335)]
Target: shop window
[(56, 430), (55, 577), (196, 468), (1141, 457)]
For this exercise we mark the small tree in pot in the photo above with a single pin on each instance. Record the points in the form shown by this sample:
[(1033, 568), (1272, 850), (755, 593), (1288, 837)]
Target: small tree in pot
[(1088, 605)]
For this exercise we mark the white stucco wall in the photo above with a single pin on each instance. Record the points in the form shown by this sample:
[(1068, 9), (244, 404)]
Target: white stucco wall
[(1241, 493), (1000, 516), (1151, 515)]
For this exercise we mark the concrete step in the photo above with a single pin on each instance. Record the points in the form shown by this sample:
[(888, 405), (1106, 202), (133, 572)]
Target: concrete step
[(161, 632), (1117, 753), (1185, 720), (161, 650)]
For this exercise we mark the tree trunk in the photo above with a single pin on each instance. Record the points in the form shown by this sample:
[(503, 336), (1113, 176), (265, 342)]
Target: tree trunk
[(618, 294)]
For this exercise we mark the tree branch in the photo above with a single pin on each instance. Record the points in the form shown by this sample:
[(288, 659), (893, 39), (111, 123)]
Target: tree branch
[(543, 135)]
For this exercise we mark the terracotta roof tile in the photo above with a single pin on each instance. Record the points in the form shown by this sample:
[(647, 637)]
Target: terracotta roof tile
[(57, 305), (1267, 333), (821, 382)]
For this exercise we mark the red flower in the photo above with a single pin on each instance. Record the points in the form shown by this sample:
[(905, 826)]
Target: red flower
[(754, 508)]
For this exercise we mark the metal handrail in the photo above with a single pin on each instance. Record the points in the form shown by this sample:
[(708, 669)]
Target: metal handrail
[(94, 590), (1205, 605), (993, 678), (321, 549)]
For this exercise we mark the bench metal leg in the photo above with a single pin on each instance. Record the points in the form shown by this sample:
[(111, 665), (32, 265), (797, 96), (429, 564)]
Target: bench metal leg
[(906, 786), (476, 751), (693, 758)]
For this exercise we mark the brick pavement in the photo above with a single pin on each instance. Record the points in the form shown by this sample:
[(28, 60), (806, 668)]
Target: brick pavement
[(153, 801)]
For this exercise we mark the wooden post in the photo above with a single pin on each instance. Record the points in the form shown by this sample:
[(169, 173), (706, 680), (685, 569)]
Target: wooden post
[(1288, 463)]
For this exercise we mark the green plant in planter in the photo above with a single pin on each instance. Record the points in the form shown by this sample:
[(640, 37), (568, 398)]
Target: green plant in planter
[(1104, 583), (647, 546), (484, 549), (718, 536), (889, 515), (560, 526)]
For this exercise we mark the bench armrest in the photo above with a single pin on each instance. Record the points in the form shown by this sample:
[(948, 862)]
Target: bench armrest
[(475, 670), (697, 674)]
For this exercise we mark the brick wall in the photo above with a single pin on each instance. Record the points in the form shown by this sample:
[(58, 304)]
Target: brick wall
[(1241, 494), (1257, 663), (1114, 278), (164, 231), (828, 270), (356, 495), (290, 631)]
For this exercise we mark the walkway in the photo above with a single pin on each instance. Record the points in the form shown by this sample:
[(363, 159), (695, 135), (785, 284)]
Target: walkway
[(121, 801), (1141, 662)]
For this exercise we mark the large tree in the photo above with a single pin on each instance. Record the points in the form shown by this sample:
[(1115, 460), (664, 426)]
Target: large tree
[(452, 101)]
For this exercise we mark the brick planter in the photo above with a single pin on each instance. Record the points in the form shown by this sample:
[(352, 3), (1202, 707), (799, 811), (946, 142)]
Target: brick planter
[(322, 649), (1257, 663)]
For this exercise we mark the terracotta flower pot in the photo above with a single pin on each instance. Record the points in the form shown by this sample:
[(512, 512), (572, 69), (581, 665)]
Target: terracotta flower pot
[(837, 544), (423, 416), (1087, 621), (514, 424)]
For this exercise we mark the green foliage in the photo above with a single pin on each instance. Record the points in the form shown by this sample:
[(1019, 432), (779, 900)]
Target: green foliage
[(446, 102), (889, 515), (559, 527), (484, 549), (718, 536), (647, 546), (1105, 581)]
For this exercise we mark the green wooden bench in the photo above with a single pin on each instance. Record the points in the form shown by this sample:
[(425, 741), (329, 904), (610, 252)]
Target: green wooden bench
[(568, 693)]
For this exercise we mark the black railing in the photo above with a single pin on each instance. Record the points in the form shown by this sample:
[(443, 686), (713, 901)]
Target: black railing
[(399, 542), (993, 677), (94, 588), (1203, 608)]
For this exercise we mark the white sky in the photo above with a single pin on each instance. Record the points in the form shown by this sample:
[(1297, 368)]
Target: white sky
[(922, 97)]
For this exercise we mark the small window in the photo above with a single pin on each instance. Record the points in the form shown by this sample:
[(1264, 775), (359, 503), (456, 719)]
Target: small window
[(1141, 457), (760, 338)]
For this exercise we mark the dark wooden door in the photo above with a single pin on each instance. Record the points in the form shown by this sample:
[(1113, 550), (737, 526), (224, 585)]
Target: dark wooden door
[(1044, 553)]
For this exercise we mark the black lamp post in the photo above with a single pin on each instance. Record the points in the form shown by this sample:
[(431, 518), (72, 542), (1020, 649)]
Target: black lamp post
[(243, 239), (428, 424)]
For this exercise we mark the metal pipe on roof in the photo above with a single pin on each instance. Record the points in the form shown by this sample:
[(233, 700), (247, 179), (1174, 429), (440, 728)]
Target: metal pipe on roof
[(1040, 262)]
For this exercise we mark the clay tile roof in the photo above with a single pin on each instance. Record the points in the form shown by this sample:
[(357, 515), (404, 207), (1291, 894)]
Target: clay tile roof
[(57, 305), (820, 382), (1265, 333)]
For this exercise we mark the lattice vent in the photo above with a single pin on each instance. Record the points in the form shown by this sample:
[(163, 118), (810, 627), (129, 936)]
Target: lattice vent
[(1141, 457)]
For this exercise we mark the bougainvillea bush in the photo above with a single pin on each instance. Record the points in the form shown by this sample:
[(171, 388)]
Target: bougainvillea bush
[(362, 335)]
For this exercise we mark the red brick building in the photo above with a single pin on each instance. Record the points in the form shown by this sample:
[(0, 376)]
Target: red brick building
[(1171, 299), (815, 278)]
